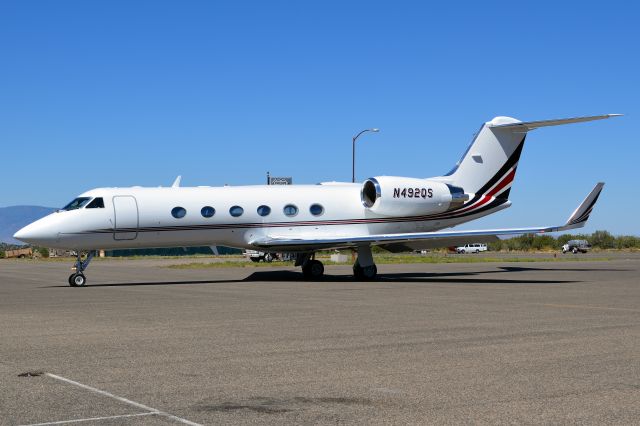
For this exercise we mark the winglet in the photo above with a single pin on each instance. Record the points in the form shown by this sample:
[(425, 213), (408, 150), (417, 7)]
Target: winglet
[(176, 183), (581, 214)]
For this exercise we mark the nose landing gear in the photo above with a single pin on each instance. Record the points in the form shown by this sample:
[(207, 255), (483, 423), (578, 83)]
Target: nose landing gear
[(312, 269), (77, 279)]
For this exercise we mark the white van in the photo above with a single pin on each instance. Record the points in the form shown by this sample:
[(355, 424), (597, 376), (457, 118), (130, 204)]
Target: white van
[(471, 248)]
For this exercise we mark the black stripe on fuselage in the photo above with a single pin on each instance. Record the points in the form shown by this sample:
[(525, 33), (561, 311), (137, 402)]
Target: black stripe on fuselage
[(451, 214), (495, 203)]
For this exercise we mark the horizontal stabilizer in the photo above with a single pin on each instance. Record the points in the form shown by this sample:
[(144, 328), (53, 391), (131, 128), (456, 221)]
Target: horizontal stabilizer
[(531, 125)]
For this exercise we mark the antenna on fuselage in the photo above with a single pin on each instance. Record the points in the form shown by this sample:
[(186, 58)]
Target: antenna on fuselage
[(176, 183)]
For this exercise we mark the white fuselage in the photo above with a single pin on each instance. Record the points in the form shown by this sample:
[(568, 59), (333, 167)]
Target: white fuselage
[(141, 217)]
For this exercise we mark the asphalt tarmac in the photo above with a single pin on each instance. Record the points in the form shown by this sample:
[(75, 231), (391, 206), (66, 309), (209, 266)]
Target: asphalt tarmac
[(483, 343)]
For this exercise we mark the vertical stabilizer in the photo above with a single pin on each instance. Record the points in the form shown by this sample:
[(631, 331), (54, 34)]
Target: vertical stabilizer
[(489, 165)]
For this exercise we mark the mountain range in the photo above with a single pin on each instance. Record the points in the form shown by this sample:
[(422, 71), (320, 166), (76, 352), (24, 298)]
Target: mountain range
[(15, 217)]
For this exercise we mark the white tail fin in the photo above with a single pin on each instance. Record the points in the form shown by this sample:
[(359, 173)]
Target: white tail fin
[(488, 167)]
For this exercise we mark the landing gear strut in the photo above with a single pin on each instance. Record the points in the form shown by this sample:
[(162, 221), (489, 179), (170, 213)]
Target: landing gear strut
[(77, 279), (364, 269), (312, 269)]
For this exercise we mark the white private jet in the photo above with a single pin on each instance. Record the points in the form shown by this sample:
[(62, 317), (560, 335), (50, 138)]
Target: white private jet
[(396, 213)]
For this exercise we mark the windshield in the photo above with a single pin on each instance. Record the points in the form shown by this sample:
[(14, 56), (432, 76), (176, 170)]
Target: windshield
[(97, 203), (76, 204)]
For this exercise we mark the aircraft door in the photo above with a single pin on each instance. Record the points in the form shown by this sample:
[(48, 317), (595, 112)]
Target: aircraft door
[(125, 210)]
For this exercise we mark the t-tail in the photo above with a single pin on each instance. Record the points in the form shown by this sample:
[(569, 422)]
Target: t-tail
[(487, 169)]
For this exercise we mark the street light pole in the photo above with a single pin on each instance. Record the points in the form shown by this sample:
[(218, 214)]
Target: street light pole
[(353, 151)]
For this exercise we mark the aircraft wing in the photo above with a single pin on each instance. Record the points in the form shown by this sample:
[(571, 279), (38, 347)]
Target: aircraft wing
[(401, 242)]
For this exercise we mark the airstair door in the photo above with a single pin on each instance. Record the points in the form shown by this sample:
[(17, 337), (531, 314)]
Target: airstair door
[(125, 210)]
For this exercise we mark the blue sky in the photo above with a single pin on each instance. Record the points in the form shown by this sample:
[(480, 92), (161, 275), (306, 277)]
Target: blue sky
[(109, 93)]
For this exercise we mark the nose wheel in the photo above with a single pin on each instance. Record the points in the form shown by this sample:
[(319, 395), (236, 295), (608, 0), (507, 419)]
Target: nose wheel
[(77, 279), (312, 269)]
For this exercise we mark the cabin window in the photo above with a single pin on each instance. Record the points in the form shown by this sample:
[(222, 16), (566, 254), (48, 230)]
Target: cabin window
[(236, 211), (77, 203), (97, 203), (207, 211), (316, 209), (290, 210), (178, 212), (264, 210)]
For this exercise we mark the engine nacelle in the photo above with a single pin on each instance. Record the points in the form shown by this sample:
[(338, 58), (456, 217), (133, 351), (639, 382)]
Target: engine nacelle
[(401, 196)]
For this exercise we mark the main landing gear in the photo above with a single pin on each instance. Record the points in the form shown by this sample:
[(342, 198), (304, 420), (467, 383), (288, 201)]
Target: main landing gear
[(77, 279), (363, 270)]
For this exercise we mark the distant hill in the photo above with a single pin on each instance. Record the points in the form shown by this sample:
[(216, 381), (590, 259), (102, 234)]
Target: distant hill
[(15, 217)]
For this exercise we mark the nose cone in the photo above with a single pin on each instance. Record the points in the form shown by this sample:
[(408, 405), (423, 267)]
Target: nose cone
[(37, 233), (21, 234)]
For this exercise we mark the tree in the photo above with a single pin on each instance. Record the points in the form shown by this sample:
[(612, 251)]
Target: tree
[(541, 242), (627, 241), (603, 239), (564, 239), (495, 245)]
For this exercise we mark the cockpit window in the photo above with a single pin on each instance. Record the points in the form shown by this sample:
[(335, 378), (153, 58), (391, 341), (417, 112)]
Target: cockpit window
[(97, 203), (78, 203)]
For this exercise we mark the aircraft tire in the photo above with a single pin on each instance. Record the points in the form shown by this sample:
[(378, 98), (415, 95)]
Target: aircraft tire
[(370, 272), (364, 274), (357, 271), (313, 270), (77, 280)]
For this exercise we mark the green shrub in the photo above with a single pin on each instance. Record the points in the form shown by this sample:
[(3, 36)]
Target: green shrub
[(599, 239)]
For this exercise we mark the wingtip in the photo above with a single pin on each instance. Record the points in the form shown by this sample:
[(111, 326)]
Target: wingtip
[(580, 215)]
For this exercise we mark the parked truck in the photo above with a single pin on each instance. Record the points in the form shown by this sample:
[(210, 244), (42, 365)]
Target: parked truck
[(576, 246), (257, 256), (20, 253)]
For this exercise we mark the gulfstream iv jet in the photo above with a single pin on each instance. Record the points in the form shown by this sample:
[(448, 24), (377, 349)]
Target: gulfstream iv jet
[(396, 213)]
